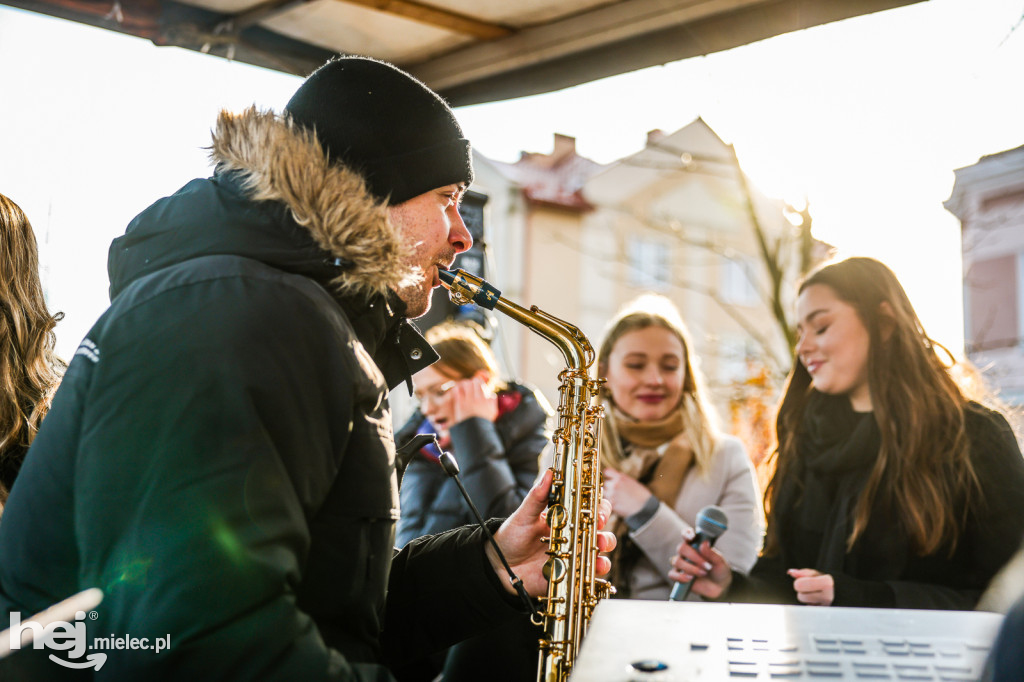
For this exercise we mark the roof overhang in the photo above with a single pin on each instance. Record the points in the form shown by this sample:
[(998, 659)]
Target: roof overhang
[(470, 51)]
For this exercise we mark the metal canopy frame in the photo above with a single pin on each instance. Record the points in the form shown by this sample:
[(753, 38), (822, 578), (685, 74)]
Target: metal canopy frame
[(484, 60)]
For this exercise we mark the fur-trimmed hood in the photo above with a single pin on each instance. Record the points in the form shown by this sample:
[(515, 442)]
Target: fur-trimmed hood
[(276, 198)]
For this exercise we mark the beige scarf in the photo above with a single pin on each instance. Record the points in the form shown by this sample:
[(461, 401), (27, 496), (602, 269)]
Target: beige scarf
[(662, 473)]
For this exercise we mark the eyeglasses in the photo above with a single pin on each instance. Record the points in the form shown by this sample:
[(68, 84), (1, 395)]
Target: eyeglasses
[(434, 393)]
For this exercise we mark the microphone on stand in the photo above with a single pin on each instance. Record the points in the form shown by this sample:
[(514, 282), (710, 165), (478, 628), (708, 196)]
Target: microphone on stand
[(451, 467), (711, 522)]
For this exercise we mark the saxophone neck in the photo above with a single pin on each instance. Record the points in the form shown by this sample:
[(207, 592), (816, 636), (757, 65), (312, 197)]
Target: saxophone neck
[(465, 288)]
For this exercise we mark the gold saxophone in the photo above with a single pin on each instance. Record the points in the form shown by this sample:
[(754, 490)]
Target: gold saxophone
[(573, 588)]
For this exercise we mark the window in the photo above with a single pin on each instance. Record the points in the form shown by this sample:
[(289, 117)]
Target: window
[(738, 282), (733, 353), (991, 290), (649, 264)]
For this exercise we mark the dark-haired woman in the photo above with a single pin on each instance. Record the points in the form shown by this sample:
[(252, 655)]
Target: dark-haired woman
[(892, 488), (29, 369)]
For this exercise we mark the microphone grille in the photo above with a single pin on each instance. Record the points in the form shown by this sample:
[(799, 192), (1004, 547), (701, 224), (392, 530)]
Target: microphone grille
[(712, 521)]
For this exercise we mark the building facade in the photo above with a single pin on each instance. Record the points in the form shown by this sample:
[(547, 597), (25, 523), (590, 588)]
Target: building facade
[(580, 240), (988, 199)]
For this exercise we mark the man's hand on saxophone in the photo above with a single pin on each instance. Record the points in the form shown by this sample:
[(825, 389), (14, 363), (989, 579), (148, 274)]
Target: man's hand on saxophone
[(521, 540)]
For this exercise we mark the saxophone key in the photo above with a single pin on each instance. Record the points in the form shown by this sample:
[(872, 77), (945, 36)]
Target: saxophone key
[(554, 569), (557, 518)]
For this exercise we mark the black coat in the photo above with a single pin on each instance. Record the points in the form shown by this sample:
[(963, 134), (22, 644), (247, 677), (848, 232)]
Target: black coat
[(881, 569), (1006, 660), (497, 460), (219, 458)]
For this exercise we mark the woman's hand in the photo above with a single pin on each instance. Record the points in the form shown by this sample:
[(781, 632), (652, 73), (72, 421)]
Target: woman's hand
[(704, 566), (627, 495), (813, 587), (472, 398)]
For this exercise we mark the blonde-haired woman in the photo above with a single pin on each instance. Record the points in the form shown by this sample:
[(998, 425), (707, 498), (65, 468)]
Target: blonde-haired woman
[(662, 456), (495, 429), (29, 369)]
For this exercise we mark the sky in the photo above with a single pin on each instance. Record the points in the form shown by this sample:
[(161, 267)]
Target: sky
[(867, 118)]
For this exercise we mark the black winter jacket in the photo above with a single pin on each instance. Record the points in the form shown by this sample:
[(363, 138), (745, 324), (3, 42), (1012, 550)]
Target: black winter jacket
[(881, 570), (219, 458), (1006, 660), (498, 462)]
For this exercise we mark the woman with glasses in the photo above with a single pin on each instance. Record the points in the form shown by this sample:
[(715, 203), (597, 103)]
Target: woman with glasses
[(496, 430)]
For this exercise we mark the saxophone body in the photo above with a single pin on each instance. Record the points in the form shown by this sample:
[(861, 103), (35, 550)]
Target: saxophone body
[(573, 588)]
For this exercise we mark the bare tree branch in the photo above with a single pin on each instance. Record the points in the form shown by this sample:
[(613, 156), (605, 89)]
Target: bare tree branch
[(780, 365), (676, 229), (771, 255), (775, 253)]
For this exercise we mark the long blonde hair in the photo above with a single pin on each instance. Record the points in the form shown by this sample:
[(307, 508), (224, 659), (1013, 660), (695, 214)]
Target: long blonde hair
[(29, 369), (652, 310)]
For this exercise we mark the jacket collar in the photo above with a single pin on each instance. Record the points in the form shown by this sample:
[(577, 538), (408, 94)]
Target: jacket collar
[(271, 159), (394, 342), (274, 160)]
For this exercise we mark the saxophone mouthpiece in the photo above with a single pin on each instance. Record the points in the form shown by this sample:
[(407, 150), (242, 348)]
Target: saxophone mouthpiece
[(466, 288), (447, 277)]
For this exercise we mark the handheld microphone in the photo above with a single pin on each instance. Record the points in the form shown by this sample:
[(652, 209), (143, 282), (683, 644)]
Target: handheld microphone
[(711, 522), (451, 467)]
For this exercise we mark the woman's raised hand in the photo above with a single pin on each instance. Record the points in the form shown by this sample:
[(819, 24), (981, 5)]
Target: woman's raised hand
[(473, 398), (627, 495)]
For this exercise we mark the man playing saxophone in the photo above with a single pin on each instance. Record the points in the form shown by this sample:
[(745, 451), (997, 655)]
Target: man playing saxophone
[(219, 459)]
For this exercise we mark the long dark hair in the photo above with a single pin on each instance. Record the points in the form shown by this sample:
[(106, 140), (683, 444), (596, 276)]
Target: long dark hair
[(924, 468), (29, 368)]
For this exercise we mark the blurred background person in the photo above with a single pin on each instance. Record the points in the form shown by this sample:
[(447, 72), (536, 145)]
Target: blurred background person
[(1006, 660), (29, 369), (662, 456), (892, 488), (495, 429), (1005, 594)]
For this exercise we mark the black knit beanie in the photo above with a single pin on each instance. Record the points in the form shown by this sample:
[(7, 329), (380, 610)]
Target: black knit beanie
[(380, 121)]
